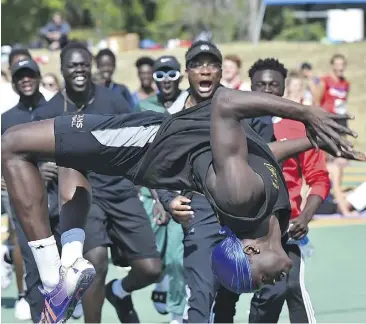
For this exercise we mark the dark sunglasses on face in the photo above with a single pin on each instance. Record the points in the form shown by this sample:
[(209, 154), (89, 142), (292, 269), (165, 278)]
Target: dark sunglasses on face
[(196, 65), (162, 76)]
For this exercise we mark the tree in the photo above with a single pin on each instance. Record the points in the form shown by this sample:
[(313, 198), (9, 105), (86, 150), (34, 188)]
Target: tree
[(21, 19)]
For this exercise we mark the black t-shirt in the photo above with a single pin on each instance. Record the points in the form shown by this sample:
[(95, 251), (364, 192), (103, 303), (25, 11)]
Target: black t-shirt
[(184, 137), (102, 101)]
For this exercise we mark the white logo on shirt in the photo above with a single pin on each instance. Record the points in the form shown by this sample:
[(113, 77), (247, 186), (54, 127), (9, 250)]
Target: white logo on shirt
[(77, 121), (205, 48)]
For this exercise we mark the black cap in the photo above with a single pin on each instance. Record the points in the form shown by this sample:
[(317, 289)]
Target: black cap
[(306, 66), (24, 64), (167, 61), (203, 47)]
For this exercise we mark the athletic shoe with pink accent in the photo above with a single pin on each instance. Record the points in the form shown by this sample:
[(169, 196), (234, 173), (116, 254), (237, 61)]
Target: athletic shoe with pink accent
[(61, 302)]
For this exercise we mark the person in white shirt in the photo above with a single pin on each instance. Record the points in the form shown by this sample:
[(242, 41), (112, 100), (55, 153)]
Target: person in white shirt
[(231, 74)]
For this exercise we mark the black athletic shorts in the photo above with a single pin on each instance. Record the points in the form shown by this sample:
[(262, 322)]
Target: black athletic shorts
[(106, 144)]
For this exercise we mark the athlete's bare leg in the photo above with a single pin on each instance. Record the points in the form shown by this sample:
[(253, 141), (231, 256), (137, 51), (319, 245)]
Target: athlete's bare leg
[(74, 199), (22, 147), (25, 185)]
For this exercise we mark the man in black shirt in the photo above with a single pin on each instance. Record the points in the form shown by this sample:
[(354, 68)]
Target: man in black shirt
[(26, 79), (202, 233), (201, 149), (106, 65)]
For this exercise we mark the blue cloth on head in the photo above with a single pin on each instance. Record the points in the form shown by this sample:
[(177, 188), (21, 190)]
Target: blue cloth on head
[(230, 264)]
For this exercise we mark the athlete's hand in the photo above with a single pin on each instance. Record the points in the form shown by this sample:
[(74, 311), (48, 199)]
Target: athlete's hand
[(181, 210), (346, 152), (298, 227), (48, 171), (321, 124), (3, 184), (161, 217)]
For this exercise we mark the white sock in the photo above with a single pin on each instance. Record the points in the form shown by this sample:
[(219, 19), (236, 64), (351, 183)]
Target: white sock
[(118, 290), (72, 246), (48, 261)]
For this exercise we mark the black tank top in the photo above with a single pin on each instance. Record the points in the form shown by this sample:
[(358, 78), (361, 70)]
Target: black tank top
[(183, 141)]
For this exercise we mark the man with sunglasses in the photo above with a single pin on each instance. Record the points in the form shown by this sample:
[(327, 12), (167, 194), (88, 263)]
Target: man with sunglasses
[(170, 292), (202, 231), (167, 77), (208, 148)]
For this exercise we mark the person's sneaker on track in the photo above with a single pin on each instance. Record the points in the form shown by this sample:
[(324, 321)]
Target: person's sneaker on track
[(124, 306)]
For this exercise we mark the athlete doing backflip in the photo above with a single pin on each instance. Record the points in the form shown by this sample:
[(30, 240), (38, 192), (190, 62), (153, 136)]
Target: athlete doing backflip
[(200, 149)]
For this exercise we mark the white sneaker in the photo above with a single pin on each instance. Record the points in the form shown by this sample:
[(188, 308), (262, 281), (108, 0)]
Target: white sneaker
[(22, 310), (60, 303), (6, 268)]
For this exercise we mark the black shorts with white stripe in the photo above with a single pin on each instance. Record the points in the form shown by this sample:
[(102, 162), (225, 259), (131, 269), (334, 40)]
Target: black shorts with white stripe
[(108, 144)]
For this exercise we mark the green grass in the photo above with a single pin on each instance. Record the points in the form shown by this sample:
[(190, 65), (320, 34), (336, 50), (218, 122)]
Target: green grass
[(334, 278)]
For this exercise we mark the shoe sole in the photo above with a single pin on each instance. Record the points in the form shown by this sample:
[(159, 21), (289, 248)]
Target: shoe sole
[(84, 282)]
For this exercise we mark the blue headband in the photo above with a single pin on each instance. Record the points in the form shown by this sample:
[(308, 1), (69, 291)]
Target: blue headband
[(230, 264)]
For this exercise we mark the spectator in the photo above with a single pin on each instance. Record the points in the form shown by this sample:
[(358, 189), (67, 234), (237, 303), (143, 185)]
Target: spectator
[(333, 88), (147, 88), (169, 238), (295, 87), (338, 199), (332, 95), (51, 83), (17, 55), (106, 65), (56, 32), (231, 73), (26, 78), (311, 82)]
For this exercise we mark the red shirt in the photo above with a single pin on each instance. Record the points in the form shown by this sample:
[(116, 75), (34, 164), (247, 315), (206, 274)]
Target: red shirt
[(335, 95), (309, 165)]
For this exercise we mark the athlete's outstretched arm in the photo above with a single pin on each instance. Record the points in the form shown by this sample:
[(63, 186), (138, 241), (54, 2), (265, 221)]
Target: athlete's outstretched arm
[(317, 121)]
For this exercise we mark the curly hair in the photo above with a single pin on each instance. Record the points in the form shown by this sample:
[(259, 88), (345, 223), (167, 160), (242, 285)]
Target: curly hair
[(267, 64)]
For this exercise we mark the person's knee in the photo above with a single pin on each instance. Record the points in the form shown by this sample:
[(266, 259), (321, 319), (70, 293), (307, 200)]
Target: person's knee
[(73, 186), (150, 269), (99, 259), (8, 145)]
